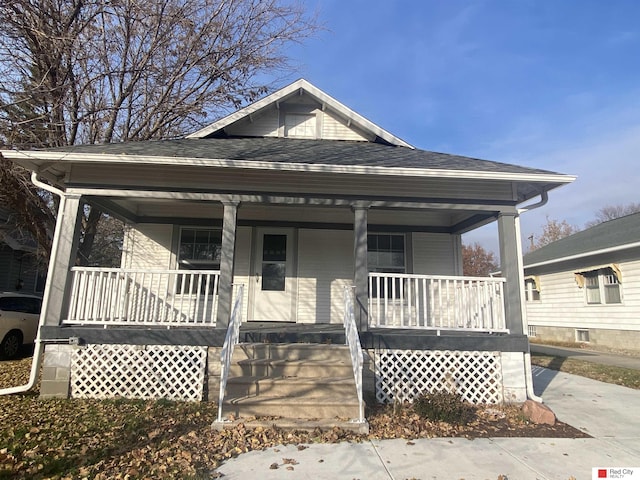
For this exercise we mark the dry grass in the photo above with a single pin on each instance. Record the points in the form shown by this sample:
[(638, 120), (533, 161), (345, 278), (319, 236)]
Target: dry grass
[(160, 439), (605, 373)]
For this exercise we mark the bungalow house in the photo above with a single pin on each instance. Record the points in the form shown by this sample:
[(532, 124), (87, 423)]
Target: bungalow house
[(286, 229), (586, 287)]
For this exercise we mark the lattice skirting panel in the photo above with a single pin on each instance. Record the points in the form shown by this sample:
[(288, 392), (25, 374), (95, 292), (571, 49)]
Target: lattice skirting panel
[(402, 375), (174, 372)]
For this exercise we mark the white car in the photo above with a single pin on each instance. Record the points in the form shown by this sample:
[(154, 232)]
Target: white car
[(19, 315)]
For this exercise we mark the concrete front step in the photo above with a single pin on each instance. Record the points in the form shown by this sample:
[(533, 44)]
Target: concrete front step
[(295, 424), (317, 407), (291, 351), (266, 367), (290, 382), (299, 386)]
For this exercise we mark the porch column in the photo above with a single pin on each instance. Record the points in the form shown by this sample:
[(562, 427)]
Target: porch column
[(510, 266), (361, 267), (227, 257), (64, 249)]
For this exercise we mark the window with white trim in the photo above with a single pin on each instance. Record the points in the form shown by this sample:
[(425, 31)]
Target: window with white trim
[(531, 290), (200, 249), (602, 286), (386, 254), (582, 335)]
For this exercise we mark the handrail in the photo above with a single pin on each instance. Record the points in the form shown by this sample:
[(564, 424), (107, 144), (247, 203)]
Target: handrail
[(353, 341), (230, 341)]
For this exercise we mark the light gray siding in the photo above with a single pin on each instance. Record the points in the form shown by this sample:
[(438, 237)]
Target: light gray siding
[(563, 303), (262, 125), (325, 267), (269, 122), (434, 254), (335, 129), (148, 246)]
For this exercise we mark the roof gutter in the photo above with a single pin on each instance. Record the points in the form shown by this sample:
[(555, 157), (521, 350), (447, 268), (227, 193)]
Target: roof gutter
[(39, 346), (544, 198)]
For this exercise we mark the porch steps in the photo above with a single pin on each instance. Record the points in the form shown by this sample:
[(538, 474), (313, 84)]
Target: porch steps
[(291, 384)]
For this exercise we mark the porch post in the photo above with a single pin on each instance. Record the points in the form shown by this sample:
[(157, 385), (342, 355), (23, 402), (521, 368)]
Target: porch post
[(361, 266), (227, 258), (64, 249), (510, 265)]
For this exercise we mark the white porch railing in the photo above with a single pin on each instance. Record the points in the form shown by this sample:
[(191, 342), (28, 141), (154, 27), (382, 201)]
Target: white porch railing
[(353, 341), (436, 302), (230, 341), (114, 296)]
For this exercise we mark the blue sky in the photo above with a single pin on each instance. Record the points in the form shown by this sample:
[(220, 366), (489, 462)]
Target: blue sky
[(552, 84)]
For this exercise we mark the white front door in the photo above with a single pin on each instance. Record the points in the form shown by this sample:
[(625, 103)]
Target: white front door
[(273, 278)]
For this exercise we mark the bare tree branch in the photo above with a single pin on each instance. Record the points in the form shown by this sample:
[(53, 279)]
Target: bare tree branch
[(95, 71)]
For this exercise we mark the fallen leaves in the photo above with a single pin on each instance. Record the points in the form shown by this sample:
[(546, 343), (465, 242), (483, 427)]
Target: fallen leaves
[(119, 439)]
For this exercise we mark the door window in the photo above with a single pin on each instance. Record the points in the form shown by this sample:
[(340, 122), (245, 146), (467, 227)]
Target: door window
[(274, 262)]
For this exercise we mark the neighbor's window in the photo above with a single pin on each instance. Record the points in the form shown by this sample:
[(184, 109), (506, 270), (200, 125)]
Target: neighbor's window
[(300, 125), (385, 254), (200, 249), (531, 290), (602, 286), (582, 335)]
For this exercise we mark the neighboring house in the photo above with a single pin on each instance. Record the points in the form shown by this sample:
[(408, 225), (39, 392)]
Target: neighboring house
[(586, 287), (19, 270), (297, 214)]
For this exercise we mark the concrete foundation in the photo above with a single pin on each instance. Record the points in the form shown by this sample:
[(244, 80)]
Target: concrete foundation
[(605, 339), (56, 371)]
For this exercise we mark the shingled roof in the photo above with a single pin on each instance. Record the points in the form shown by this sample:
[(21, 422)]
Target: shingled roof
[(620, 232), (301, 151)]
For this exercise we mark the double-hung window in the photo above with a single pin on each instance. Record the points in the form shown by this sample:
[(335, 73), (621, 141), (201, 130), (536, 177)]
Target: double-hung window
[(199, 249), (602, 286), (386, 254), (531, 289)]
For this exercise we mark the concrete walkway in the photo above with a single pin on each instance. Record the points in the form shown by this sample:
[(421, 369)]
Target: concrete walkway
[(611, 414), (625, 361)]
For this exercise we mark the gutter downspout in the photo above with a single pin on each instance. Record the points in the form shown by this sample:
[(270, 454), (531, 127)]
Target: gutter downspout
[(39, 347), (528, 375)]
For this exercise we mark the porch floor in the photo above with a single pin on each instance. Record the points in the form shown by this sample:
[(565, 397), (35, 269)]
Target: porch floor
[(401, 338)]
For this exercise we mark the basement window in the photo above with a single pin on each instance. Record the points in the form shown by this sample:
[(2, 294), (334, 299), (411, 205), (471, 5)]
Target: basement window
[(582, 335)]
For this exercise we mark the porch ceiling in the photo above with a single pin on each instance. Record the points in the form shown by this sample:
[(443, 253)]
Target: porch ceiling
[(204, 212)]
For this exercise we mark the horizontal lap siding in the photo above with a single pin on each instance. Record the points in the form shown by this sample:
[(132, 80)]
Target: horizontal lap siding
[(325, 267), (434, 254), (335, 129), (148, 246), (563, 304), (263, 125)]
